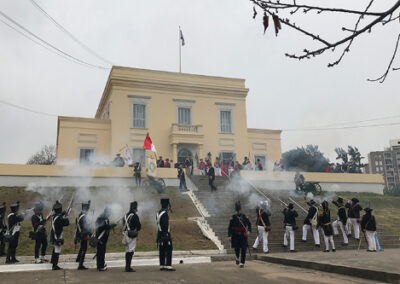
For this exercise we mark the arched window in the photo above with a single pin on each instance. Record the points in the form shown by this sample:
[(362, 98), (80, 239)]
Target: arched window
[(183, 154)]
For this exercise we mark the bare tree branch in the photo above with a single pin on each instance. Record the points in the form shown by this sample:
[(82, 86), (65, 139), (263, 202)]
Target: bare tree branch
[(382, 78), (272, 7)]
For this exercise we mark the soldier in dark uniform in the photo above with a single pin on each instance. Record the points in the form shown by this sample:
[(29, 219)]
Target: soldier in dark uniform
[(311, 216), (131, 228), (238, 232), (137, 169), (290, 226), (59, 220), (14, 227), (354, 209), (103, 228), (368, 226), (3, 228), (341, 220), (182, 180), (324, 221), (164, 239), (82, 234), (211, 178), (39, 230)]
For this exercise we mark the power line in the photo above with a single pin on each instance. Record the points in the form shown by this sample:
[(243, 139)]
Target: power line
[(343, 127), (361, 121), (27, 109), (58, 51), (36, 5)]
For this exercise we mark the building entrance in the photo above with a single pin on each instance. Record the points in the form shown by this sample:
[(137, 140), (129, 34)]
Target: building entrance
[(183, 154)]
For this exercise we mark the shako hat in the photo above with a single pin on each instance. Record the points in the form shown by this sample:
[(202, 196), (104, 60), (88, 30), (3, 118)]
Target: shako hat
[(134, 206), (238, 206), (355, 200), (368, 209), (14, 207), (290, 206), (86, 205), (38, 206), (57, 207), (164, 202)]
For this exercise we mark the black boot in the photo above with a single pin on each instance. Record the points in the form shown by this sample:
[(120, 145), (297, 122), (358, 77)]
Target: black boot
[(8, 258), (81, 260), (128, 261), (2, 252), (55, 261), (78, 257), (52, 257)]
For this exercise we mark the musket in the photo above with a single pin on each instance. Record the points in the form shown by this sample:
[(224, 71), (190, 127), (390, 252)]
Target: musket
[(70, 205), (291, 199)]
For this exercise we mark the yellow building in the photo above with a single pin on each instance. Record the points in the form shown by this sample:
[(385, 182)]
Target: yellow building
[(185, 114)]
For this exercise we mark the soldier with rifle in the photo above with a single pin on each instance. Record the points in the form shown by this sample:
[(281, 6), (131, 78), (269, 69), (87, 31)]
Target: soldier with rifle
[(82, 234), (3, 228), (131, 228), (324, 221), (290, 226), (354, 209), (164, 240), (39, 232), (14, 227), (263, 225), (103, 227), (311, 223), (341, 220), (238, 232), (59, 220)]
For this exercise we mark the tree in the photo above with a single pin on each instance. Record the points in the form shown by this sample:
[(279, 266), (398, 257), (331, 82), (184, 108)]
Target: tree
[(308, 159), (352, 165), (283, 12), (46, 156)]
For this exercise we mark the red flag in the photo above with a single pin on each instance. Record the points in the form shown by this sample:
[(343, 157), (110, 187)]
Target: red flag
[(147, 142)]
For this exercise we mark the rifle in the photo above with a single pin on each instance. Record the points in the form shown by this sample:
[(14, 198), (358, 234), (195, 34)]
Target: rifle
[(70, 205)]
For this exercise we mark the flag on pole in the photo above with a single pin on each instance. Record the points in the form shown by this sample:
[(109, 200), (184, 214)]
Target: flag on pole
[(148, 144), (181, 36)]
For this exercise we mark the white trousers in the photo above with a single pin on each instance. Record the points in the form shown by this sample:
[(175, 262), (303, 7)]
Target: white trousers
[(130, 243), (329, 240), (218, 171), (262, 235), (289, 233), (203, 172), (314, 231), (57, 249), (230, 171), (370, 235), (339, 224), (352, 223)]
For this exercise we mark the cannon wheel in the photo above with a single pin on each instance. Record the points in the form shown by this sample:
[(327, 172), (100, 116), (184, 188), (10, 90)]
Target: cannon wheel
[(318, 189), (162, 182), (145, 184)]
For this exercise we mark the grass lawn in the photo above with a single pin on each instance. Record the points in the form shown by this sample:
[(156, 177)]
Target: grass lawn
[(186, 235), (385, 208)]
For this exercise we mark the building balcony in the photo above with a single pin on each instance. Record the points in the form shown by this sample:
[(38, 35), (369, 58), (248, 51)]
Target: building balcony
[(186, 133)]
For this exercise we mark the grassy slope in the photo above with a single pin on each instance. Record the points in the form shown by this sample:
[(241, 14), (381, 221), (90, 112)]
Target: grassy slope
[(186, 235), (386, 208)]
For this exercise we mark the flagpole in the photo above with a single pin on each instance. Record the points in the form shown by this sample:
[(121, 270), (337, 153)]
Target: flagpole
[(180, 57)]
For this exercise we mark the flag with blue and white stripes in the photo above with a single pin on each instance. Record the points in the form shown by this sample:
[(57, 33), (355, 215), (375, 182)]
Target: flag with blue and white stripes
[(181, 37)]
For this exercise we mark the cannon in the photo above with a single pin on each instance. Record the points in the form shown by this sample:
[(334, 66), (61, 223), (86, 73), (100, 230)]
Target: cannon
[(157, 183), (313, 187)]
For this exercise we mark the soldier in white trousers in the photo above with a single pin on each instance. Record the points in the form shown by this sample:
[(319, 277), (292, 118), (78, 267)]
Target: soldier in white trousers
[(341, 221), (263, 225), (311, 223), (324, 221), (290, 225), (368, 226), (353, 221)]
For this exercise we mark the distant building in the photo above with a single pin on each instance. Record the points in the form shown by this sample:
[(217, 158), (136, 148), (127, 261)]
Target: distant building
[(186, 115), (387, 163)]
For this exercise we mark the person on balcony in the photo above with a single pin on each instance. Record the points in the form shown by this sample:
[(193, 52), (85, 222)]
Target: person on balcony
[(202, 167)]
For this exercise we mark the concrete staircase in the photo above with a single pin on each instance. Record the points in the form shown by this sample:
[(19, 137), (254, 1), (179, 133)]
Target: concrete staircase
[(220, 206)]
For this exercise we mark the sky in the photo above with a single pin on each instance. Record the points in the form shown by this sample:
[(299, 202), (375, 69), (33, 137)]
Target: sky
[(222, 39)]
